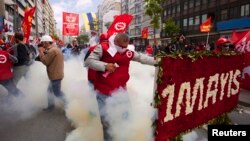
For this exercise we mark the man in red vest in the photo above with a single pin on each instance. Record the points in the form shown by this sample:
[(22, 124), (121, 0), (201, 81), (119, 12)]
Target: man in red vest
[(103, 40), (6, 72), (111, 62)]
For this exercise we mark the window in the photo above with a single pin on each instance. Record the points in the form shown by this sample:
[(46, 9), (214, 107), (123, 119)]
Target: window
[(178, 23), (191, 3), (185, 5), (165, 13), (184, 22), (191, 21), (197, 3), (204, 2), (224, 14), (178, 8), (173, 9), (233, 12), (203, 17), (244, 10), (197, 20), (169, 11)]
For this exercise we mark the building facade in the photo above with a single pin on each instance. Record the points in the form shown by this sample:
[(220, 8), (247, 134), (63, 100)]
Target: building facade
[(39, 18), (106, 12), (13, 12), (227, 16), (49, 23)]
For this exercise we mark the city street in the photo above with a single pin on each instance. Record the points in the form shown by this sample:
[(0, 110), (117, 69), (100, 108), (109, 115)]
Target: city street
[(54, 126), (123, 70)]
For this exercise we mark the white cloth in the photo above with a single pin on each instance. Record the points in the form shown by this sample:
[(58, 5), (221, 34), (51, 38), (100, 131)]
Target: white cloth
[(112, 49)]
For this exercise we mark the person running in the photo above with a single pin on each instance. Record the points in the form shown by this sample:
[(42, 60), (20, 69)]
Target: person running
[(52, 58), (6, 74)]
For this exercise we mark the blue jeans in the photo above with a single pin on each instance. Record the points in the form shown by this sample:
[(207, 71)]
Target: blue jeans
[(102, 105), (101, 100), (55, 88)]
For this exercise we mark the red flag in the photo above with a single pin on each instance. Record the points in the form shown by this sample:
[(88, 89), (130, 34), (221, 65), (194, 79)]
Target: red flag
[(27, 21), (144, 33), (242, 41), (70, 24), (242, 44), (236, 36), (206, 26), (120, 24)]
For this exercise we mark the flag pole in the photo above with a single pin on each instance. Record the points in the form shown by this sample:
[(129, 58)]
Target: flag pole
[(207, 40)]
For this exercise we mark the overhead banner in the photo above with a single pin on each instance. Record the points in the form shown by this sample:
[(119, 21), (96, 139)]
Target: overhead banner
[(241, 41), (192, 93), (70, 24)]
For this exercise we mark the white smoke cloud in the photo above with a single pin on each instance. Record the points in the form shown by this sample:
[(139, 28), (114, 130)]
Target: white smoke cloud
[(81, 107), (32, 99), (83, 112)]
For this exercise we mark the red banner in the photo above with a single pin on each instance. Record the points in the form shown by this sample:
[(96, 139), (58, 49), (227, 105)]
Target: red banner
[(242, 44), (206, 26), (70, 24), (193, 93), (27, 22), (120, 24), (144, 33)]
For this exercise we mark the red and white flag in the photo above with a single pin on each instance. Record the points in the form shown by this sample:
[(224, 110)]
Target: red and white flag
[(241, 41), (70, 24), (120, 24)]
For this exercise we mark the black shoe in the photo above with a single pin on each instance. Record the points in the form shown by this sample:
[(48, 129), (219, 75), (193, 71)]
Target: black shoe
[(50, 108)]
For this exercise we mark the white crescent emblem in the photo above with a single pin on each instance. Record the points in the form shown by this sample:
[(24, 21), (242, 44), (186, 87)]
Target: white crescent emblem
[(70, 19), (120, 26), (129, 54), (3, 59)]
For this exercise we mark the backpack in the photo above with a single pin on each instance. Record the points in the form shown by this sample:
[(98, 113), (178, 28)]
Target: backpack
[(24, 55), (30, 55)]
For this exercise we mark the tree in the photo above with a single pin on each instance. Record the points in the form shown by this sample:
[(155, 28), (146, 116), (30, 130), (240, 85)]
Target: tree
[(153, 9), (82, 39), (55, 36), (171, 28), (107, 24)]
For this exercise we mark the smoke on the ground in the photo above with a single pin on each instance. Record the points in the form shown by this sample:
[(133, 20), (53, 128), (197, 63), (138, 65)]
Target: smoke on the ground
[(81, 106)]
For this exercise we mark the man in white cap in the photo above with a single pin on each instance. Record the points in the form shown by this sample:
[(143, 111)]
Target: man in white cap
[(52, 58)]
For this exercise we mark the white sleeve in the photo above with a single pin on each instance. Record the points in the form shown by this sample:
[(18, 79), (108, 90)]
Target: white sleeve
[(144, 59), (93, 60)]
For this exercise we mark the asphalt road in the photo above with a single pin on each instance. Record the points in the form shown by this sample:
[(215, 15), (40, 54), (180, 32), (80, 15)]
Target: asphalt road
[(45, 126), (54, 126)]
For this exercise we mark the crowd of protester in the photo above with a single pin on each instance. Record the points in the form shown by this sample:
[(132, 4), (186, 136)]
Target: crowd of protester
[(183, 45)]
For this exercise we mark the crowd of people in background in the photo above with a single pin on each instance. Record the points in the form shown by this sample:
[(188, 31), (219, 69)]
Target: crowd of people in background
[(183, 45), (16, 58), (21, 55)]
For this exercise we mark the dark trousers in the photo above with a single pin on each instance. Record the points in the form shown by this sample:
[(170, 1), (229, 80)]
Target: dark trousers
[(11, 87)]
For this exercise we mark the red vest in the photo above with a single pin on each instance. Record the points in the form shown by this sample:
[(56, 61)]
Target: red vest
[(119, 78), (5, 66)]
